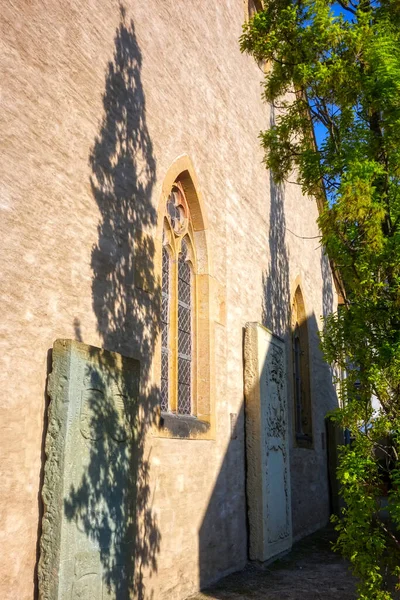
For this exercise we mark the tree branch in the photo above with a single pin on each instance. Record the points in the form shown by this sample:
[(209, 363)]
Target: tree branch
[(346, 7)]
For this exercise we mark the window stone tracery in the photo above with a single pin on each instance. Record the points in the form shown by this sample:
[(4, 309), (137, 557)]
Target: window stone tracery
[(184, 373), (177, 211), (178, 286)]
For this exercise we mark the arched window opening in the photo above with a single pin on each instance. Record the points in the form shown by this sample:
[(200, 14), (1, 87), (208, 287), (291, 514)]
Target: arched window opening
[(301, 373), (183, 363), (178, 308), (254, 6)]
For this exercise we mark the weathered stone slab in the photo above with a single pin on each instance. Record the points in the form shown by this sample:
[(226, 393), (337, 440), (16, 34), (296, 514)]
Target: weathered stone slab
[(267, 444), (89, 491)]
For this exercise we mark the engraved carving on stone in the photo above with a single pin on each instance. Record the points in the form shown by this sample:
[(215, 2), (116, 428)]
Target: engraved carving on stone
[(103, 410), (277, 461), (87, 544), (276, 427), (276, 411), (50, 541), (119, 428), (267, 444), (87, 584), (91, 425)]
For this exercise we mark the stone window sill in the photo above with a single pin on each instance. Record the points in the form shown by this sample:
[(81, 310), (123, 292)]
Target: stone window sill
[(172, 425), (304, 441)]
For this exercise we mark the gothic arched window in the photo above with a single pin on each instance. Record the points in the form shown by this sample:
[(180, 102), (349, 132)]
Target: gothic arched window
[(178, 310), (192, 301), (301, 372)]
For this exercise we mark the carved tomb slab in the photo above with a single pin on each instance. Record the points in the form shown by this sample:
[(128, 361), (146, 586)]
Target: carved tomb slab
[(89, 490), (267, 443)]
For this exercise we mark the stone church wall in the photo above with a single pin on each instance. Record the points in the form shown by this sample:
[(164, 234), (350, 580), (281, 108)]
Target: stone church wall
[(97, 100)]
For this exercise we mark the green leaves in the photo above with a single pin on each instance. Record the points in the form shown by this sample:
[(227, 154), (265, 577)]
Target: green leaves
[(340, 75), (362, 535)]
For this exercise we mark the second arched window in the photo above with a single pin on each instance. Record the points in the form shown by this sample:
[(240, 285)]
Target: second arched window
[(301, 373)]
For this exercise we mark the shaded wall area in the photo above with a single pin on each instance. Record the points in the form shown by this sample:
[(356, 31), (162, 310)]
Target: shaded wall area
[(226, 514), (311, 494), (297, 256), (276, 284), (312, 489)]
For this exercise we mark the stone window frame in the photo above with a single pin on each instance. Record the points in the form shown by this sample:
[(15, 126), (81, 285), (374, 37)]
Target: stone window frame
[(251, 7), (201, 424), (302, 407)]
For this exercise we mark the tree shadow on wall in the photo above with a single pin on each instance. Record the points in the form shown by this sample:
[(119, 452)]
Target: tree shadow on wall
[(223, 534), (111, 503), (276, 299)]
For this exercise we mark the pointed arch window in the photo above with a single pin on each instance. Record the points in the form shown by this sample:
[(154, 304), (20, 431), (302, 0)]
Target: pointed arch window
[(178, 309), (254, 6), (184, 366), (301, 372)]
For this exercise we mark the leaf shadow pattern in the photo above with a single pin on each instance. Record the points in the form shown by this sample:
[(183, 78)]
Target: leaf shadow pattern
[(111, 504), (276, 287)]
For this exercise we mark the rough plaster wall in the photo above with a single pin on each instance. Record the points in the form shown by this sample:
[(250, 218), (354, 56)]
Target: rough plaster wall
[(203, 98)]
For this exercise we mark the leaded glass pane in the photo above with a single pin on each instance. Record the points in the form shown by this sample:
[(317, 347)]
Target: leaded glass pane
[(184, 334), (165, 301), (297, 380)]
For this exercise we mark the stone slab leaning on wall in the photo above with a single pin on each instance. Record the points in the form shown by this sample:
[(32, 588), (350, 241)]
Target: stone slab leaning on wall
[(267, 443), (89, 492)]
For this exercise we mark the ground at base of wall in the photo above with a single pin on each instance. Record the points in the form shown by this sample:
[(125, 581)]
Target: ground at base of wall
[(311, 571)]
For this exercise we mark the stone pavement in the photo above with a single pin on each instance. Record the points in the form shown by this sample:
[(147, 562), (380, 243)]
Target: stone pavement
[(311, 571)]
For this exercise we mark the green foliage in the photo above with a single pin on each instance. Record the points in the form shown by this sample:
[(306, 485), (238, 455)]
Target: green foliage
[(340, 73)]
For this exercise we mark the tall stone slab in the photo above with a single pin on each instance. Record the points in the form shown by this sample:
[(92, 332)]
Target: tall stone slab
[(267, 443), (89, 493)]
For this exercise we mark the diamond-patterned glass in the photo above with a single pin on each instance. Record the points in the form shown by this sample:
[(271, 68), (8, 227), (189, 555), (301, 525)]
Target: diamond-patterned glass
[(165, 295), (184, 399), (185, 345), (184, 269), (184, 290), (185, 371), (184, 334)]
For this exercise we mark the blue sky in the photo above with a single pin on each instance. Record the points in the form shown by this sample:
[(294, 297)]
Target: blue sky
[(320, 129)]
